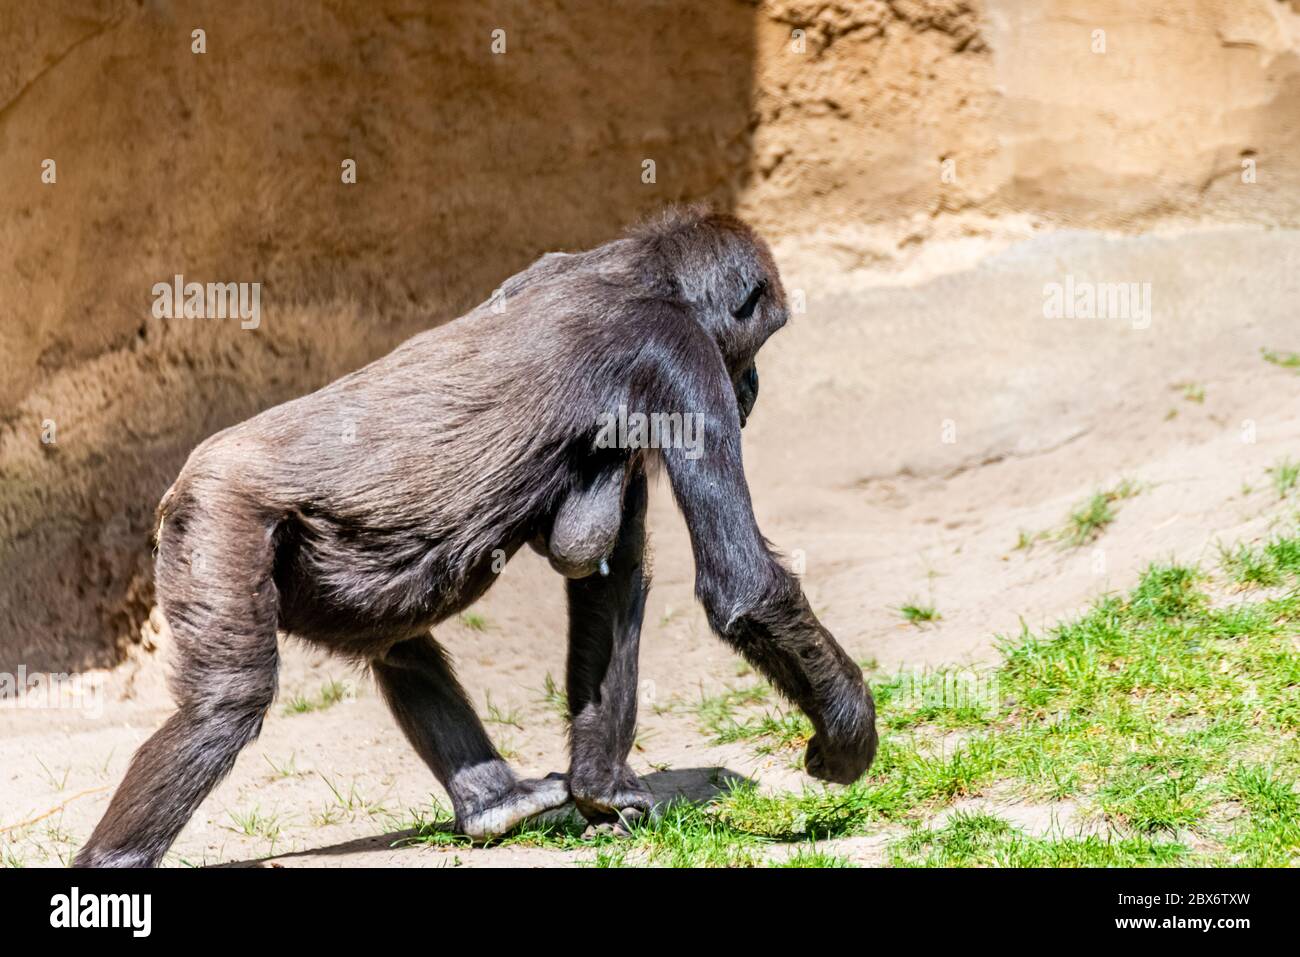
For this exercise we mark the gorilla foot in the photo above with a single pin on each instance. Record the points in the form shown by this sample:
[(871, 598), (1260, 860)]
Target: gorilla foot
[(524, 800), (615, 802)]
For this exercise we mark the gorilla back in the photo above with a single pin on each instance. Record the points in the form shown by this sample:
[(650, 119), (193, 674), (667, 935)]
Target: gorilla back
[(361, 515)]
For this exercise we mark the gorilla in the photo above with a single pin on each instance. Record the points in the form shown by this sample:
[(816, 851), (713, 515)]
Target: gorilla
[(360, 516)]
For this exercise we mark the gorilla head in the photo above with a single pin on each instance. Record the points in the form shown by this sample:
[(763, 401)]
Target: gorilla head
[(725, 271)]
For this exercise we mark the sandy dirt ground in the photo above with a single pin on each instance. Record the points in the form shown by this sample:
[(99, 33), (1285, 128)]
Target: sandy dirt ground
[(907, 434)]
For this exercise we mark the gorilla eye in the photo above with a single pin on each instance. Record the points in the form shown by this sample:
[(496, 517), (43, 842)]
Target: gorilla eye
[(750, 304)]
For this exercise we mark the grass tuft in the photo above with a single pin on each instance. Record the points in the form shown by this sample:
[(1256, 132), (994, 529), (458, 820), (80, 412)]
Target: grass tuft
[(1090, 519), (1285, 476), (331, 693), (1287, 360), (918, 614)]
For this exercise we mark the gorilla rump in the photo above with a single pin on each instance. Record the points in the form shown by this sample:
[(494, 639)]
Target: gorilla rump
[(362, 515)]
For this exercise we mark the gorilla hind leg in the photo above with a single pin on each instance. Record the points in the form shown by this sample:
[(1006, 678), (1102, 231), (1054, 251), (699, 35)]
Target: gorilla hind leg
[(215, 583), (605, 613), (439, 721)]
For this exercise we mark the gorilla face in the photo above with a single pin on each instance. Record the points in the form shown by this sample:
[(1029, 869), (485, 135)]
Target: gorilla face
[(763, 313), (746, 386)]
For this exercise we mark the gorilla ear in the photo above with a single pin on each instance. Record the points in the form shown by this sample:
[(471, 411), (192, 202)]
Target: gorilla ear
[(747, 308)]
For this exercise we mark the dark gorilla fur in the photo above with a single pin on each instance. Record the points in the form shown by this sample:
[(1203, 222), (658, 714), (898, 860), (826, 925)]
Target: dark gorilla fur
[(361, 515)]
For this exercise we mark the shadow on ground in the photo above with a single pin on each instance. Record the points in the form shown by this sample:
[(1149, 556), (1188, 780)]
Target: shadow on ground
[(695, 785)]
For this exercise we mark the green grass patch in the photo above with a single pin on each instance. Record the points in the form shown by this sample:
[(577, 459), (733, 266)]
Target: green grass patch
[(1287, 360), (810, 856), (1091, 518), (1285, 475), (1265, 567), (1150, 713), (984, 840), (917, 614)]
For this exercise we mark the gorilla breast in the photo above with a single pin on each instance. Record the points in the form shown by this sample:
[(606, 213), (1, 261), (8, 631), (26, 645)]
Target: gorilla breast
[(586, 526)]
